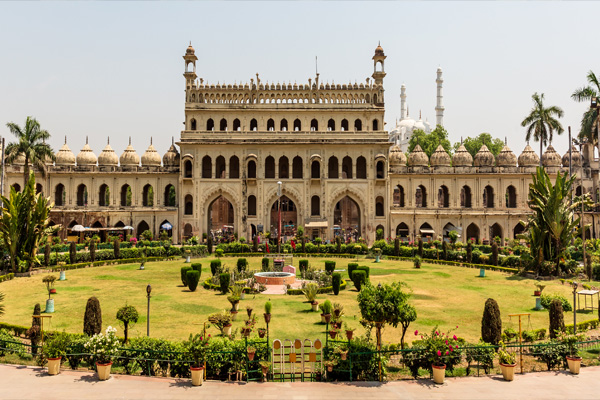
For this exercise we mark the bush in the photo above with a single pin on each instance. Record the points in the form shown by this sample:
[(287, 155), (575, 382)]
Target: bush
[(596, 271), (209, 244), (529, 336), (224, 279), (366, 269), (491, 323), (351, 268), (494, 258), (92, 320), (359, 278), (336, 280), (215, 267), (192, 278), (73, 253), (303, 266), (241, 264), (546, 300), (197, 267), (93, 251), (557, 321), (265, 264), (329, 267), (469, 253), (116, 249), (184, 271)]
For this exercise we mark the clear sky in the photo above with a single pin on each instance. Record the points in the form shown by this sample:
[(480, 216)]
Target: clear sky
[(115, 69)]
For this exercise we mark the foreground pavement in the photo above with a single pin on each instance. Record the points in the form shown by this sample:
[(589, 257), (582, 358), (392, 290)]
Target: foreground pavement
[(21, 382)]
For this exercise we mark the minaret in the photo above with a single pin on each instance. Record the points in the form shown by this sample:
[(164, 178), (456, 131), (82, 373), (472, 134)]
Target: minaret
[(439, 108), (379, 74), (403, 110), (190, 67)]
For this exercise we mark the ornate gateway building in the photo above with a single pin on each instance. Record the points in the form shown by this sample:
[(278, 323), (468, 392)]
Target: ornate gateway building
[(316, 153)]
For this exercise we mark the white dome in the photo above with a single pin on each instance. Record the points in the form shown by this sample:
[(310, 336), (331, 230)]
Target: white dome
[(86, 156), (108, 157)]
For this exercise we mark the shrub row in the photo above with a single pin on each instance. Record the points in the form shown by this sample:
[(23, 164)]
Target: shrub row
[(325, 289), (7, 277), (583, 326), (67, 267)]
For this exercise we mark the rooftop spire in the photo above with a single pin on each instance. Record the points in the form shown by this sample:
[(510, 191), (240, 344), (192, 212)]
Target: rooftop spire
[(86, 139), (130, 140), (65, 139)]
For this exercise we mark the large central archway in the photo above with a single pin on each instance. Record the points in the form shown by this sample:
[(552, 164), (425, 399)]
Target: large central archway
[(289, 217), (346, 219), (220, 216)]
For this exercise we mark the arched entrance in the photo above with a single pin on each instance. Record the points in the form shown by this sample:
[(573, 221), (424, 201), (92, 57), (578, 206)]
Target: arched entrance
[(496, 231), (141, 228), (289, 217), (220, 219), (426, 232), (346, 219), (402, 231), (518, 229), (447, 229), (167, 227), (473, 233)]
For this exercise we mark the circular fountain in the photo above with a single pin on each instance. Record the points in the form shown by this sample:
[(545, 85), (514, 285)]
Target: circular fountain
[(275, 278)]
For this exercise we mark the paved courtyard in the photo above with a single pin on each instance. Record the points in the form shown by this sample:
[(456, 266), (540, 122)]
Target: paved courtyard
[(20, 382)]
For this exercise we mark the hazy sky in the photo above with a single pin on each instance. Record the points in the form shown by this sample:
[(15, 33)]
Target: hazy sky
[(115, 69)]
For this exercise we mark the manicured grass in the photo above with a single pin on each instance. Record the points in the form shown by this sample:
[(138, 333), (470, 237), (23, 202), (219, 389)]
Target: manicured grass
[(443, 295)]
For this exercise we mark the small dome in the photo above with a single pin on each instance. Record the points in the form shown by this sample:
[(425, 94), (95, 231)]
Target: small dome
[(20, 160), (397, 157), (108, 157), (129, 157), (462, 158), (86, 156), (171, 157), (65, 156), (440, 158), (379, 51), (151, 158), (575, 156), (418, 158), (506, 158), (190, 50), (528, 158), (551, 158), (484, 157)]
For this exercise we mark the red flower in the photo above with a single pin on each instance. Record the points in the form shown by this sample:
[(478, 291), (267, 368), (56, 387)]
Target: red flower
[(447, 352), (416, 333), (439, 353), (454, 337)]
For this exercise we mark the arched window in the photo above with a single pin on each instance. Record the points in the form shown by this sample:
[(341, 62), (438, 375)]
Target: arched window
[(187, 168), (361, 168), (170, 196), (210, 125), (398, 198), (465, 197), (488, 197), (297, 167), (283, 125), (223, 125), (234, 167), (421, 197), (17, 187), (347, 168), (511, 197), (331, 125), (220, 165), (380, 169), (270, 124), (60, 195), (315, 170), (104, 196), (375, 125), (193, 124), (402, 230), (344, 124), (297, 125), (357, 125), (284, 167), (38, 188), (251, 205), (206, 167), (82, 195), (314, 125), (443, 197), (126, 196), (236, 125), (252, 169), (142, 227), (315, 206), (253, 124), (333, 168), (379, 206), (189, 205), (148, 196), (269, 168)]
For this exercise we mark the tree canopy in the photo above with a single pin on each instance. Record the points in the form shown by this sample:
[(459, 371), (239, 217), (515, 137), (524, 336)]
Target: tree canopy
[(541, 122), (474, 144), (590, 116), (430, 141)]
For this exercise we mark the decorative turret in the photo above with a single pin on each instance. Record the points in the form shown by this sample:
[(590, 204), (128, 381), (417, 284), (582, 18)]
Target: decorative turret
[(397, 157), (108, 157), (86, 157), (484, 157), (171, 157), (418, 158), (151, 158), (190, 67), (379, 73), (129, 158), (64, 157), (528, 158), (506, 158), (575, 157), (462, 158), (551, 158), (440, 157)]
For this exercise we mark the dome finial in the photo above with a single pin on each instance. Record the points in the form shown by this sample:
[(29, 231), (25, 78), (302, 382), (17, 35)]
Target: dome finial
[(86, 139), (65, 139), (130, 140), (461, 140), (108, 140), (150, 140), (172, 140), (505, 141)]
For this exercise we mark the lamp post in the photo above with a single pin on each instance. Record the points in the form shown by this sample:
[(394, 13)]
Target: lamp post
[(279, 216), (148, 291)]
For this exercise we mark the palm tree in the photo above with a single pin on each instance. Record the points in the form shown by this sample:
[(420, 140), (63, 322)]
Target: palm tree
[(589, 120), (31, 144), (541, 122)]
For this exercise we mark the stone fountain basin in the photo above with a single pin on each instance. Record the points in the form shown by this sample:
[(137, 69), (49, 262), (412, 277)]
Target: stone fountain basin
[(275, 278)]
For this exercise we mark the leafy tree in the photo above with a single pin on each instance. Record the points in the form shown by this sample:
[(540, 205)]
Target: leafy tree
[(31, 144), (541, 122), (430, 141), (128, 315), (589, 120), (474, 144), (408, 314)]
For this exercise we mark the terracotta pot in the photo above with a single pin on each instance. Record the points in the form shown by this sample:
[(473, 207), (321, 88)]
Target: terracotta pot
[(330, 368), (54, 366), (323, 318), (227, 330), (349, 334), (233, 315), (327, 318), (249, 311), (197, 376), (52, 291), (315, 306), (343, 356), (251, 356), (337, 313), (246, 332), (508, 371), (261, 334), (267, 318), (537, 293), (333, 334), (103, 371), (574, 364), (439, 373)]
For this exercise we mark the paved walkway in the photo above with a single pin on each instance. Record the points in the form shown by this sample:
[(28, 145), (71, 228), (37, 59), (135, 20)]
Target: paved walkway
[(20, 382)]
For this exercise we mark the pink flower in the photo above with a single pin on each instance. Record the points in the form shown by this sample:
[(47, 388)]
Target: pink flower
[(454, 337), (446, 343), (456, 347), (447, 352), (451, 348), (436, 332), (439, 353), (416, 333)]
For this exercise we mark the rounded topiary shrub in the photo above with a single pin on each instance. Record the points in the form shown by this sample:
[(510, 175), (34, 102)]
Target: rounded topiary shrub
[(117, 249), (197, 267), (92, 250), (184, 271), (215, 267), (359, 277), (73, 253), (192, 277), (209, 245), (336, 281), (557, 320), (469, 253), (224, 279), (351, 268), (265, 264), (242, 263), (303, 266), (92, 319), (366, 269), (491, 323), (494, 258), (329, 267)]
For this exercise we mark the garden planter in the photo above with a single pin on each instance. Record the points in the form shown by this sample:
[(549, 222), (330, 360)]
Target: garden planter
[(233, 315), (197, 376), (265, 370), (327, 318), (508, 371), (315, 306), (103, 371), (349, 334), (574, 364), (333, 334), (227, 330), (262, 333), (236, 306), (188, 259), (246, 332), (336, 313), (242, 296), (249, 312), (251, 356), (62, 276), (482, 272), (49, 306), (52, 291), (54, 366), (343, 356), (323, 318), (337, 325), (537, 292), (439, 373), (267, 318), (330, 368)]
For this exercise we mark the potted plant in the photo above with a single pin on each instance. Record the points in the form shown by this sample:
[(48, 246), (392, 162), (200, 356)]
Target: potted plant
[(49, 282), (249, 311), (195, 348), (507, 362), (321, 306), (267, 314), (188, 255), (251, 352), (440, 350), (349, 331), (327, 308), (343, 352), (330, 364), (262, 332), (333, 332), (265, 366), (540, 287), (235, 302), (103, 347), (222, 321), (417, 262), (233, 314), (248, 326), (310, 292), (573, 358), (54, 350), (338, 310)]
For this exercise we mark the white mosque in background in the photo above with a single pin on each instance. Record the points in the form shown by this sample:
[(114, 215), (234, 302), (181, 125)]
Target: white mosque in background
[(405, 127)]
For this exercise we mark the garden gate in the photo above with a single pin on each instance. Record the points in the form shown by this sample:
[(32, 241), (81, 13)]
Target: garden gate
[(300, 360)]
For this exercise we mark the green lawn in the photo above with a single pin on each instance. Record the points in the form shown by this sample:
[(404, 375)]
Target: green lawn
[(443, 295)]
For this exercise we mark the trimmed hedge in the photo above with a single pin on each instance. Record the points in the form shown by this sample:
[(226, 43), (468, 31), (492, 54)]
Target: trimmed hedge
[(265, 264), (329, 267), (192, 277), (224, 280), (322, 290), (359, 277), (7, 277), (215, 266), (17, 330), (184, 270), (197, 267), (303, 266), (242, 263), (336, 280), (351, 268), (364, 268), (583, 326)]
